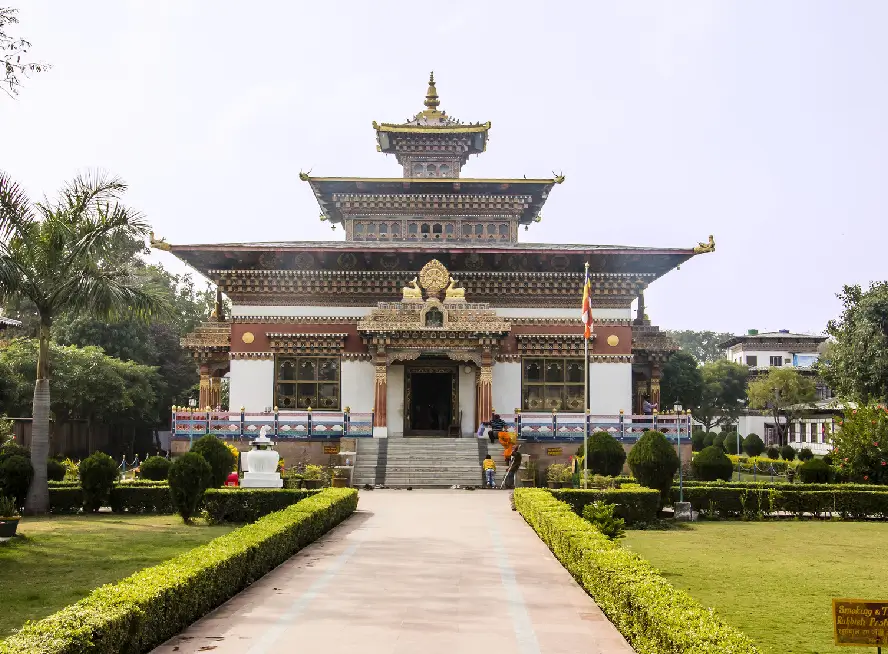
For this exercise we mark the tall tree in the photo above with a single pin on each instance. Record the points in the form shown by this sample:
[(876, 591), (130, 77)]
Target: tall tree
[(724, 390), (682, 382), (60, 256), (703, 346), (783, 392), (11, 52), (855, 363)]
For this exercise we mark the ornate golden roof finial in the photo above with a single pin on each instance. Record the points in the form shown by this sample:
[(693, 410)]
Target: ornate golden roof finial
[(431, 100), (703, 248), (158, 244)]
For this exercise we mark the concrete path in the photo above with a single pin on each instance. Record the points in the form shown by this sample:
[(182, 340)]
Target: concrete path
[(426, 572)]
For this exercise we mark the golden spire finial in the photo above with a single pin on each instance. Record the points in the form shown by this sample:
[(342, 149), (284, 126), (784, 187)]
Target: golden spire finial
[(431, 101)]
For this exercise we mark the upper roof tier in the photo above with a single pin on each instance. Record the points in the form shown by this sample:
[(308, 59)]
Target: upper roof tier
[(431, 144)]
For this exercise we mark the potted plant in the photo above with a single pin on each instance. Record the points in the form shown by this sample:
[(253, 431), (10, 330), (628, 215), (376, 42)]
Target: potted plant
[(567, 477), (340, 478), (528, 474), (554, 475), (313, 476), (9, 517)]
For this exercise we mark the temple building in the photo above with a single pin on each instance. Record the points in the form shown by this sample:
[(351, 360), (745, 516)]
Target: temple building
[(431, 313)]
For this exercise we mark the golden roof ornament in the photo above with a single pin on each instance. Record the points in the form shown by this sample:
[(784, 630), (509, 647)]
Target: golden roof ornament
[(158, 245), (434, 277), (703, 248), (431, 99)]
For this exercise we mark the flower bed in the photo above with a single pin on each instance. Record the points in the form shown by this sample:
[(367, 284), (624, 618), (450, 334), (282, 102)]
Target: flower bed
[(249, 504), (140, 612), (650, 613), (634, 505)]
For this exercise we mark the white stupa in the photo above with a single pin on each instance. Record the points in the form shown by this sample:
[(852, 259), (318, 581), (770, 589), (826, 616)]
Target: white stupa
[(260, 464)]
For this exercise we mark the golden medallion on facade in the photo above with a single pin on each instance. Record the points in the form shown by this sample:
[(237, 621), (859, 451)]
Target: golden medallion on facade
[(434, 277), (248, 337), (613, 340)]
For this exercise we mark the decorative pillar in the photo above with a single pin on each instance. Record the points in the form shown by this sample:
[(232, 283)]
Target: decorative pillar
[(379, 402), (485, 387), (655, 387), (639, 316), (210, 389)]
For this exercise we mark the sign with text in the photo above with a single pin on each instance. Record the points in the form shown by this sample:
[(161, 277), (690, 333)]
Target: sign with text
[(331, 449), (554, 451), (860, 622)]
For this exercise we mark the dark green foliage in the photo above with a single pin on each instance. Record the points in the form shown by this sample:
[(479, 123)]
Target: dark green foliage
[(140, 499), (65, 500), (773, 452), (98, 472), (16, 473), (719, 441), (704, 346), (647, 609), (827, 459), (654, 462), (601, 515), (698, 441), (805, 454), (55, 471), (248, 504), (606, 455), (788, 453), (731, 441), (154, 468), (682, 382), (709, 439), (753, 445), (634, 505), (140, 612), (217, 454), (14, 449), (814, 471), (190, 475), (712, 464)]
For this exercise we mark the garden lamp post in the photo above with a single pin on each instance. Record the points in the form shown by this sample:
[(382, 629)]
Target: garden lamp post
[(677, 408)]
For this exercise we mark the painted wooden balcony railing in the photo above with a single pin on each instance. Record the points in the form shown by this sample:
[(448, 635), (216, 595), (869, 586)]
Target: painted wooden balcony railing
[(541, 427), (290, 425)]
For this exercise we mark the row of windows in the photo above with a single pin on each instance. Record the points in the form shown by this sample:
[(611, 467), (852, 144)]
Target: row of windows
[(752, 360), (432, 170), (431, 231), (805, 432)]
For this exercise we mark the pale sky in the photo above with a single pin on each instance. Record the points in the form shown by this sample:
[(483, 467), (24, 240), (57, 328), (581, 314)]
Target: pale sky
[(761, 122)]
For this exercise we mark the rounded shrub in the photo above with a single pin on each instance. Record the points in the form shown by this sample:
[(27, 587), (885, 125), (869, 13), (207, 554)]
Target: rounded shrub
[(653, 462), (712, 464), (773, 452), (788, 452), (697, 439), (16, 473), (55, 470), (719, 441), (815, 471), (827, 459), (98, 472), (753, 445), (606, 455), (155, 468), (731, 440), (709, 439), (12, 448), (805, 454), (217, 454), (190, 475)]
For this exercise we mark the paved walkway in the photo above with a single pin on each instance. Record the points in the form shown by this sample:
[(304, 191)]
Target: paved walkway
[(426, 572)]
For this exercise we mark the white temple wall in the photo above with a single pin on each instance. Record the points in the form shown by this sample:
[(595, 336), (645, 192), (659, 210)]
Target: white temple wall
[(358, 385), (610, 388), (570, 312), (395, 401), (467, 390), (506, 389), (252, 385)]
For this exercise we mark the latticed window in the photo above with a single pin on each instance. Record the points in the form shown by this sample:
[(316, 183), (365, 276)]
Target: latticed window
[(552, 383), (302, 382)]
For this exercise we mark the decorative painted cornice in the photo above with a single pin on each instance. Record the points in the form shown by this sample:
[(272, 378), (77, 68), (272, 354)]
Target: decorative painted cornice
[(252, 356), (302, 343), (297, 320), (610, 322)]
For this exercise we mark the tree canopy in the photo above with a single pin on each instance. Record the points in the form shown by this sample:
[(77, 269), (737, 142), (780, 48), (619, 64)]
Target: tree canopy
[(783, 392), (723, 393), (12, 50), (855, 363), (702, 345), (681, 382)]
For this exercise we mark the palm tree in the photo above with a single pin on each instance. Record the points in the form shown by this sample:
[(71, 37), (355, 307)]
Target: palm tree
[(64, 257)]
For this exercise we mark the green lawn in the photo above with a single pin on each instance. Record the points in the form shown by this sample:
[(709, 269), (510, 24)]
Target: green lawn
[(773, 580), (62, 558)]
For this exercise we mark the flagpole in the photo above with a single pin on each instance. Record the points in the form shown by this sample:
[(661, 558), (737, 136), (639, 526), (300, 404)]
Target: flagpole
[(586, 396)]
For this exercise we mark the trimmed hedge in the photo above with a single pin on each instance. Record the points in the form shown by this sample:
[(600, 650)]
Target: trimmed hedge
[(248, 504), (634, 505), (756, 502), (783, 485), (142, 611), (650, 613), (142, 499)]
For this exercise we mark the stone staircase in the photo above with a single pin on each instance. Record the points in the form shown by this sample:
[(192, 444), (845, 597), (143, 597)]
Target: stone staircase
[(422, 462)]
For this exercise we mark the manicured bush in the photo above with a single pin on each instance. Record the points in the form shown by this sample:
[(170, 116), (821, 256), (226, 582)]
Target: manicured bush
[(650, 613), (65, 500), (140, 612), (730, 441), (606, 455), (788, 453), (709, 439), (827, 459), (634, 505), (753, 445), (805, 454), (128, 498), (719, 441), (217, 454), (190, 475), (654, 462), (697, 441), (773, 452), (712, 464), (814, 471), (16, 473), (601, 516), (55, 470), (12, 448), (248, 504), (98, 472), (155, 468)]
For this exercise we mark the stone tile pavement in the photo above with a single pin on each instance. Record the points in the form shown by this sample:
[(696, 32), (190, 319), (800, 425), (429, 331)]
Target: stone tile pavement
[(430, 572)]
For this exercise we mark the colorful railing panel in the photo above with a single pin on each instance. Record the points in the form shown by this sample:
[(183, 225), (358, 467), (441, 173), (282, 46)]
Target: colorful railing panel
[(561, 427), (295, 425)]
